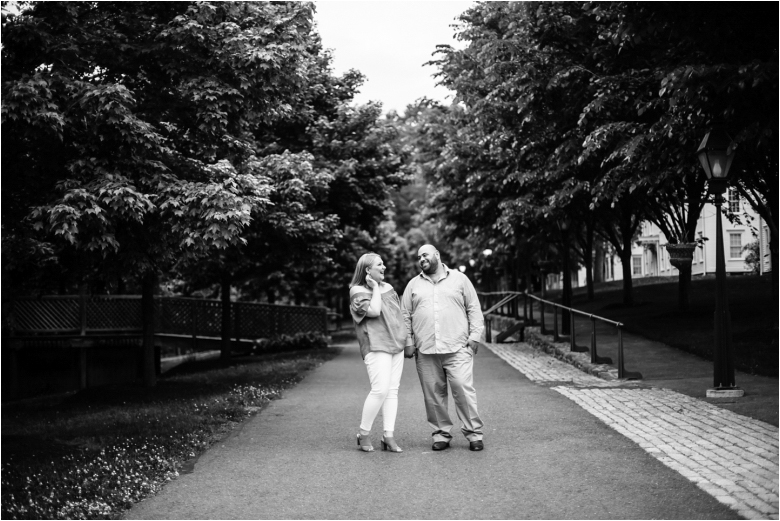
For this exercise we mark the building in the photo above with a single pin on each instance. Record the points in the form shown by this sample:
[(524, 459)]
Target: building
[(650, 258)]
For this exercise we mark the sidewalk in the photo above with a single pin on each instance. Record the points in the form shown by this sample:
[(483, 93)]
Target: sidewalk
[(727, 447), (548, 455), (666, 367), (545, 457)]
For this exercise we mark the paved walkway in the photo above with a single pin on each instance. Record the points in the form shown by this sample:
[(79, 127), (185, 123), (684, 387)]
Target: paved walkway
[(559, 445), (732, 457), (666, 367)]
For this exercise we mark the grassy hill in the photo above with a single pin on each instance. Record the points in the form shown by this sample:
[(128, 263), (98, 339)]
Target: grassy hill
[(655, 315)]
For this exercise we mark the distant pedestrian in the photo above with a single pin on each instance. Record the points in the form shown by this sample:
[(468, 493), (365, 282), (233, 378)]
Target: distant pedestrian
[(381, 333), (442, 313)]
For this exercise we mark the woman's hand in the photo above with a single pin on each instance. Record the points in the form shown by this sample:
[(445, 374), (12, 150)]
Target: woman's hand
[(375, 306)]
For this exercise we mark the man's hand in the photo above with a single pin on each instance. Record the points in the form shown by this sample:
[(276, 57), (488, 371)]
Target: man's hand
[(474, 345)]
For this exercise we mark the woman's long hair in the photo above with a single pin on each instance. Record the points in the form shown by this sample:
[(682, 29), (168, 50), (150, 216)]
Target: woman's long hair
[(365, 261)]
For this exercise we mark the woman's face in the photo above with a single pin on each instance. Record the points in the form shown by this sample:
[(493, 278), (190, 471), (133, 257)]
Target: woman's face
[(377, 270)]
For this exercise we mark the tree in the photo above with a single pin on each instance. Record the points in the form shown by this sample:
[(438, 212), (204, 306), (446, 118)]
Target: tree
[(605, 103), (526, 97), (129, 127), (720, 71), (728, 76)]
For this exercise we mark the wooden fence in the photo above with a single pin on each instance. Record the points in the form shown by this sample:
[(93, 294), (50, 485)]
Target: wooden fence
[(121, 314), (61, 343)]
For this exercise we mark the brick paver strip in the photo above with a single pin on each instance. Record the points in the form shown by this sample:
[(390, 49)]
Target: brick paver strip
[(541, 367), (732, 457)]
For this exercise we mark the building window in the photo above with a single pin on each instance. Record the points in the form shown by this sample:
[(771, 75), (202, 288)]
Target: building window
[(735, 245), (733, 201), (637, 264)]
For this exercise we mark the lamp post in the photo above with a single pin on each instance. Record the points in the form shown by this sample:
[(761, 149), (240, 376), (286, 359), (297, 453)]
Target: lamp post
[(563, 224), (487, 252), (716, 153)]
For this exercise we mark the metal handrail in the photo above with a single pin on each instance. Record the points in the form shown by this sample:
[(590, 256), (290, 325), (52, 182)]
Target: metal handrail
[(594, 357), (500, 304)]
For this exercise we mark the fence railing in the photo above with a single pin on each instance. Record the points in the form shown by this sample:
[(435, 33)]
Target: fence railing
[(506, 304), (121, 314)]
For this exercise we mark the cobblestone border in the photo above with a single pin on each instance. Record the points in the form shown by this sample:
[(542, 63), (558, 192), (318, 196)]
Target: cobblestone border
[(732, 457), (562, 351)]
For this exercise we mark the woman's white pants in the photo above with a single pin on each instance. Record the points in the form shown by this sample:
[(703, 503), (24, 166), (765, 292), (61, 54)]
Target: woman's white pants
[(384, 373)]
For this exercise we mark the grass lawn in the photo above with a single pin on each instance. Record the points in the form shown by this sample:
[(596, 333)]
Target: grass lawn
[(655, 315), (92, 454)]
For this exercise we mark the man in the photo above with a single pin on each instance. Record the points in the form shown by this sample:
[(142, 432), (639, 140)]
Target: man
[(444, 319)]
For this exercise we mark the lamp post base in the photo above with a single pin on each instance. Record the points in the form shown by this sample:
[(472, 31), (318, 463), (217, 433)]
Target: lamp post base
[(725, 392)]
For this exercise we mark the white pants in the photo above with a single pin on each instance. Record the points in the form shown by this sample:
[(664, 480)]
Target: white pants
[(384, 373)]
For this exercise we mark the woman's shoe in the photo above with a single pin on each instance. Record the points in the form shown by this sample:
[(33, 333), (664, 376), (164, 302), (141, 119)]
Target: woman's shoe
[(389, 444), (364, 442)]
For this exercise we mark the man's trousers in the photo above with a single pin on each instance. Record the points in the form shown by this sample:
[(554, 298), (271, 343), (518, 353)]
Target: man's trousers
[(436, 372)]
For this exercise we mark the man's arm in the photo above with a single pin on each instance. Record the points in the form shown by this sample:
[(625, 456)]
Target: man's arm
[(406, 311), (473, 311)]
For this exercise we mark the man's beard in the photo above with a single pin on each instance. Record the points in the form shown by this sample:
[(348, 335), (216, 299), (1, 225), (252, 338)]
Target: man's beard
[(433, 265)]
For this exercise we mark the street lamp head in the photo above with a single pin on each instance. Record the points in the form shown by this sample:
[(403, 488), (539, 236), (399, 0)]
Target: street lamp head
[(487, 252), (716, 153), (462, 268)]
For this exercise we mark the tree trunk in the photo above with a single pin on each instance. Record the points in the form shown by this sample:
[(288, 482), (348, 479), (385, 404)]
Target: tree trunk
[(344, 306), (566, 296), (511, 271), (625, 259), (226, 343), (598, 262), (588, 258), (684, 288), (148, 287)]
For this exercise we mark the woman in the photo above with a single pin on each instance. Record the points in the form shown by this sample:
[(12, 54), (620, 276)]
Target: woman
[(381, 332)]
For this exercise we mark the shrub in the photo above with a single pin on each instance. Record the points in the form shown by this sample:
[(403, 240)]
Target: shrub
[(753, 258), (296, 342)]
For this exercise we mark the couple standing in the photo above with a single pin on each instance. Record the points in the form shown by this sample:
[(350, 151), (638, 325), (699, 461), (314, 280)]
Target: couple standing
[(439, 322)]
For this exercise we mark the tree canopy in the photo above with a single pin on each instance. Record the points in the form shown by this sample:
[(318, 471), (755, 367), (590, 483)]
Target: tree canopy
[(593, 111), (182, 137)]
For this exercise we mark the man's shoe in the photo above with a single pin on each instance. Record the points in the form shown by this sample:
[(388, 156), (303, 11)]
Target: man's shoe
[(476, 445), (440, 445)]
